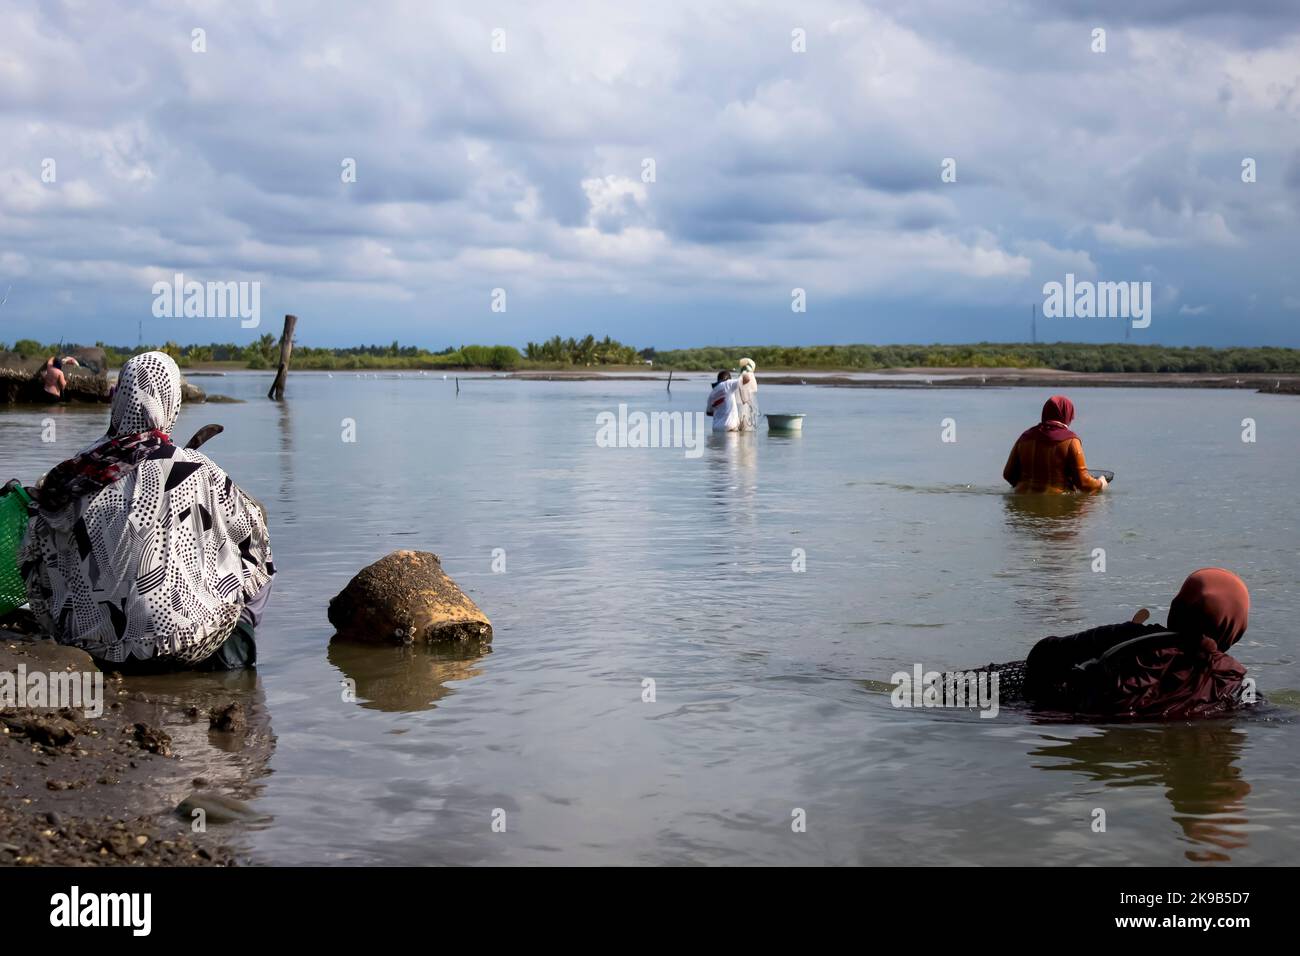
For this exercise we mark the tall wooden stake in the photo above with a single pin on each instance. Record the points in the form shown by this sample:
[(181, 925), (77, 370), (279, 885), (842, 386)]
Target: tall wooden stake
[(286, 350)]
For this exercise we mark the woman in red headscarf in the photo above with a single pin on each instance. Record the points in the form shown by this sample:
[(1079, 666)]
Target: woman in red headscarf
[(1139, 670), (1048, 458)]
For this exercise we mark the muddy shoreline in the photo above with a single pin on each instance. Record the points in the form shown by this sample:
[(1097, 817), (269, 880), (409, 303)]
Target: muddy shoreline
[(1274, 384), (940, 378), (84, 790), (19, 387)]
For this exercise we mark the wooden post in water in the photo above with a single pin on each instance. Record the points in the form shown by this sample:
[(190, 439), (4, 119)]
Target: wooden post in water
[(670, 380), (286, 350)]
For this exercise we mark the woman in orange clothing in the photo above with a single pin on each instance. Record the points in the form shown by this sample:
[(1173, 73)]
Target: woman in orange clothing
[(1048, 458)]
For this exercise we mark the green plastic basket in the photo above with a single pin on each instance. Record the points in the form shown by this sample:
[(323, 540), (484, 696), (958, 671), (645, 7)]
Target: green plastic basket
[(13, 525)]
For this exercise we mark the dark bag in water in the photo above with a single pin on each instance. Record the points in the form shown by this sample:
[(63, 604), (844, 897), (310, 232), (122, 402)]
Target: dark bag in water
[(1012, 686)]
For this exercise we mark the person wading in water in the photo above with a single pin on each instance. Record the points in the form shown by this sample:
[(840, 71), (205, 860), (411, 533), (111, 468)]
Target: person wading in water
[(1048, 458), (723, 402), (53, 381)]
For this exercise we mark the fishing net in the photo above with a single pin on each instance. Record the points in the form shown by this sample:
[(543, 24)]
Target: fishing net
[(1011, 680), (1011, 687)]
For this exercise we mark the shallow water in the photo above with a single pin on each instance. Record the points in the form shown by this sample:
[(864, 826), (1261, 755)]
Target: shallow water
[(626, 564)]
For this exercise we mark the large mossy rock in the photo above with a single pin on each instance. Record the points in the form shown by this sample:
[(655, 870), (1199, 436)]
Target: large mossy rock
[(20, 380), (406, 597)]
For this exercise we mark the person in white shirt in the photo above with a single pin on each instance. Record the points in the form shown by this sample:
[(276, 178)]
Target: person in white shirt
[(723, 405)]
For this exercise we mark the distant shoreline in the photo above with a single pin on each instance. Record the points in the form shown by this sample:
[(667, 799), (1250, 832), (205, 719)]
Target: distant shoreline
[(911, 377), (1282, 383), (937, 378), (1286, 384), (571, 358)]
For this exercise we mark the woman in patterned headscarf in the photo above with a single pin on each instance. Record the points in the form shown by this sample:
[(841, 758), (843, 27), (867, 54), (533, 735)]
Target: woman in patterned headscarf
[(143, 554)]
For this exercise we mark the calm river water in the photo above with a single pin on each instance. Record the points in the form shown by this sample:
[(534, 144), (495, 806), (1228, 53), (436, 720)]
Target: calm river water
[(627, 564)]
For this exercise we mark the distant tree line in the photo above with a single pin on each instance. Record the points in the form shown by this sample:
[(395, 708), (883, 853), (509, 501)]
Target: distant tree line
[(264, 352), (1065, 356), (585, 351), (588, 351)]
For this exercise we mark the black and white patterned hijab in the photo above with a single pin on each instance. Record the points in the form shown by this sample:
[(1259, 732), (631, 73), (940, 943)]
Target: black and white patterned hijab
[(148, 395), (156, 557)]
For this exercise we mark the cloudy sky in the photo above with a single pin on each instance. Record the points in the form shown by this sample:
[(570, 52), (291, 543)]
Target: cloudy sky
[(524, 168)]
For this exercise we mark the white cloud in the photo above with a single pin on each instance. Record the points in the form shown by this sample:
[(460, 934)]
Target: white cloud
[(523, 168)]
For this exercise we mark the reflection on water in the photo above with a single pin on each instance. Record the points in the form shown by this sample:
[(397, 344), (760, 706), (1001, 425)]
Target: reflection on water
[(785, 437), (1054, 518), (732, 460), (233, 762), (1051, 545), (1196, 763), (404, 678), (287, 495)]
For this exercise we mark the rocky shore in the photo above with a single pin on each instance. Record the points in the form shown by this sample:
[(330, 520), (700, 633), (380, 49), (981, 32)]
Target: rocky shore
[(120, 788), (87, 381), (20, 382), (154, 770)]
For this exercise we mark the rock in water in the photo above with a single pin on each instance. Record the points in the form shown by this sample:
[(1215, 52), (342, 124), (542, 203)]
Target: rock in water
[(228, 719), (218, 808), (192, 394), (23, 386), (406, 597)]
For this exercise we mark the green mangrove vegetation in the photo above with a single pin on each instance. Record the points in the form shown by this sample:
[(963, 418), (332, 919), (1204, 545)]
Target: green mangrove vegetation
[(590, 352)]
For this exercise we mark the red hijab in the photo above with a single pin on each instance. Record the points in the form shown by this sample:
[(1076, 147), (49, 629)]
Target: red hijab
[(1197, 676), (1058, 412), (1213, 603)]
